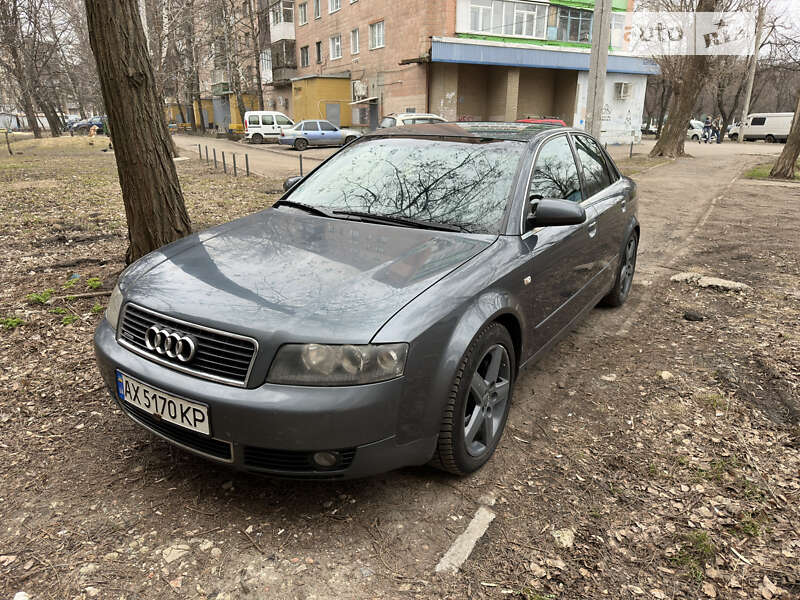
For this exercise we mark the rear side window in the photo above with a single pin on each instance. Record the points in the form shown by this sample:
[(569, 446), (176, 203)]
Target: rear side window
[(388, 122), (310, 126), (267, 120), (325, 126), (281, 120), (555, 175), (252, 120), (593, 165), (758, 121)]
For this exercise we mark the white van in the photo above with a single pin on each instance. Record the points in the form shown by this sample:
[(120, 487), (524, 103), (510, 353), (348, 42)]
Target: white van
[(260, 125), (770, 127)]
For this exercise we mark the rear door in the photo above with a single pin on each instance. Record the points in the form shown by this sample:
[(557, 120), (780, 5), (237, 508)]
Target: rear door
[(268, 125), (311, 132), (607, 195), (558, 255)]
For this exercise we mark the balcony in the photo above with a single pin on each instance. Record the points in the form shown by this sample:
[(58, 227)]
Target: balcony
[(281, 31)]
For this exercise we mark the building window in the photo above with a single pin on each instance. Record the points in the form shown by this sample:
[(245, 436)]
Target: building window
[(574, 25), (319, 52), (376, 35), (334, 5), (618, 31), (304, 56), (303, 8), (503, 17), (354, 41), (266, 66), (336, 46), (317, 9)]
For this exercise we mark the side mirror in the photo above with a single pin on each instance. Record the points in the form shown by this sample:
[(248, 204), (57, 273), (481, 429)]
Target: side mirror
[(291, 182), (549, 213)]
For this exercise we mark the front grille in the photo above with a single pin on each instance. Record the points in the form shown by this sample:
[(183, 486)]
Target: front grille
[(220, 356), (292, 460), (190, 439)]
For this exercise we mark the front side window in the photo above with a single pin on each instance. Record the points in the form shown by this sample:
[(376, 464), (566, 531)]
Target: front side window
[(317, 9), (304, 56), (334, 5), (555, 175), (303, 13), (336, 47), (376, 35), (758, 121), (388, 122), (462, 183), (281, 120), (354, 41), (593, 165)]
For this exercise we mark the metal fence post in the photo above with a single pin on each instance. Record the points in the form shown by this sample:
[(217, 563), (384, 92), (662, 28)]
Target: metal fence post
[(215, 157), (247, 165), (631, 153), (234, 164), (206, 154), (301, 164), (200, 151), (224, 164)]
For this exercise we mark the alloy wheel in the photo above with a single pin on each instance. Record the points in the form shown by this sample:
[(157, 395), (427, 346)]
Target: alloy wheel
[(628, 267), (487, 401)]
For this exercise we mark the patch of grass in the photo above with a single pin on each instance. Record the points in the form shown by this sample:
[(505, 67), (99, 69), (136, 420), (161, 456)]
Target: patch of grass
[(93, 283), (97, 308), (70, 282), (695, 550), (762, 171), (40, 297), (69, 320), (719, 467), (59, 310), (11, 322), (712, 400), (750, 525)]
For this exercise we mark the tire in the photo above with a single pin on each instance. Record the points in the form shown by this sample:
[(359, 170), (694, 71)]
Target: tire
[(476, 413), (257, 139), (695, 138), (770, 139), (300, 144), (349, 139), (627, 269), (734, 136)]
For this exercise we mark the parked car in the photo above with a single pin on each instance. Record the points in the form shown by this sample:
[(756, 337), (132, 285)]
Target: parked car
[(83, 126), (770, 127), (406, 119), (316, 133), (378, 314), (733, 131), (261, 125), (695, 131), (546, 121)]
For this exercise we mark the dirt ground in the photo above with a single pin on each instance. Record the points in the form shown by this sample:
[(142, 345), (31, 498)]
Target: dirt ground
[(647, 456)]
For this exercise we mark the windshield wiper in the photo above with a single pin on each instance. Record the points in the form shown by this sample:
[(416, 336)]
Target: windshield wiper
[(402, 221), (312, 210)]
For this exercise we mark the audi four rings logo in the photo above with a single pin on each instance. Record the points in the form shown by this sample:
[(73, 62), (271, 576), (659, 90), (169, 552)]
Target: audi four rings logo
[(170, 343)]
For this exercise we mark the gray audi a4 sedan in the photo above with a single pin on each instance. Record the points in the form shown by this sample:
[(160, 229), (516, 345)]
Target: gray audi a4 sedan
[(378, 314)]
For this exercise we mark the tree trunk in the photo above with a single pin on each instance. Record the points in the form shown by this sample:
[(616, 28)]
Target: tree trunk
[(151, 192), (784, 168), (256, 54), (666, 95), (49, 113)]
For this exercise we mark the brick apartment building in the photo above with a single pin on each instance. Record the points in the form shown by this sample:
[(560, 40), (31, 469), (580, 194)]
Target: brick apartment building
[(463, 59)]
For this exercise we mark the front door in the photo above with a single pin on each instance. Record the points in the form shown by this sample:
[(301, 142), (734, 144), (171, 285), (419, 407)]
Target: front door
[(331, 136), (559, 257)]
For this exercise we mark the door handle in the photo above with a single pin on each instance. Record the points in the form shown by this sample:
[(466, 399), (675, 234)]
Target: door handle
[(591, 228), (623, 204)]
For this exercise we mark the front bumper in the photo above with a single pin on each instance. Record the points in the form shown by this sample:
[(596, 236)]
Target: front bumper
[(275, 428)]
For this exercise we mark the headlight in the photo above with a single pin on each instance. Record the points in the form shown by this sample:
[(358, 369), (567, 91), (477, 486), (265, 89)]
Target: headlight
[(319, 364), (114, 305)]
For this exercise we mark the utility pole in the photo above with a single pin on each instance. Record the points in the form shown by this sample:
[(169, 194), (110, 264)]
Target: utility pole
[(598, 63), (751, 76)]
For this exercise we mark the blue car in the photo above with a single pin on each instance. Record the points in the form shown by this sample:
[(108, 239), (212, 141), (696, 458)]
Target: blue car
[(316, 133)]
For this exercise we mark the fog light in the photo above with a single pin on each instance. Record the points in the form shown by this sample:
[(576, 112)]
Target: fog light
[(326, 459)]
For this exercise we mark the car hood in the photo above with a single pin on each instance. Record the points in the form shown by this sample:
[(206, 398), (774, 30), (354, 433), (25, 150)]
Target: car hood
[(285, 276)]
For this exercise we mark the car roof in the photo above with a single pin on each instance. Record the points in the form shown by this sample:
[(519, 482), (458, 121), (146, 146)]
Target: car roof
[(487, 130), (413, 115)]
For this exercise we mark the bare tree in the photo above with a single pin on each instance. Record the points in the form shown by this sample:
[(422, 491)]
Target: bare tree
[(154, 205), (786, 51)]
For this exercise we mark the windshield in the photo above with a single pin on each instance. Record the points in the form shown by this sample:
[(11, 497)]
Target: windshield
[(465, 184)]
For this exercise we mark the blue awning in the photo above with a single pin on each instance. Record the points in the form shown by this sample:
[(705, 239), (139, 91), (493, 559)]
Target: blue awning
[(522, 55)]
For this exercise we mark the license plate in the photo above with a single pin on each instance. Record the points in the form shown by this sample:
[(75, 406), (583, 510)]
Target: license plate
[(163, 406)]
